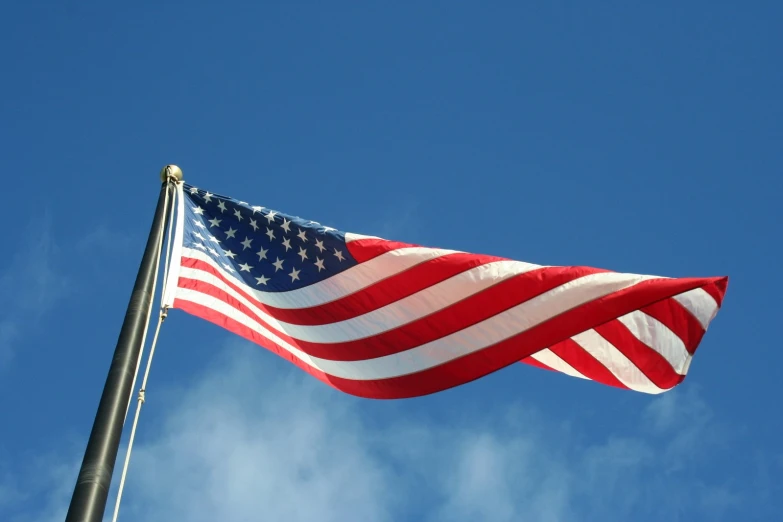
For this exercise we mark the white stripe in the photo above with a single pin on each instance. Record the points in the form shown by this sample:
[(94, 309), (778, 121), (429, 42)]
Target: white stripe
[(699, 303), (615, 361), (466, 341), (657, 336), (393, 315), (339, 285), (350, 236), (549, 358)]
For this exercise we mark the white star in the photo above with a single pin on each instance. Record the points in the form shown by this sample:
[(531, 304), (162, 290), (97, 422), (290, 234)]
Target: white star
[(287, 244), (238, 214), (314, 223), (278, 264), (198, 223), (339, 254), (257, 209), (244, 267), (227, 267), (229, 254), (212, 251), (243, 203), (230, 233), (198, 236), (319, 245), (246, 243), (198, 210), (303, 253), (254, 224), (262, 280), (262, 254), (199, 245), (270, 233), (302, 236), (319, 263), (294, 274), (208, 197), (271, 216), (286, 225), (193, 190), (215, 222), (214, 239), (222, 206), (329, 229)]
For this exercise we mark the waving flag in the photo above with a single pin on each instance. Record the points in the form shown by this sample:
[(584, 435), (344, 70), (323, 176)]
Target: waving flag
[(384, 319)]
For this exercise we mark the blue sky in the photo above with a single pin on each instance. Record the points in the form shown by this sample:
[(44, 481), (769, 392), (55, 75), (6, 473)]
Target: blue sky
[(640, 138)]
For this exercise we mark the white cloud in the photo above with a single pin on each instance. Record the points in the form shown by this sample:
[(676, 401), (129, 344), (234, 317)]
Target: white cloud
[(248, 444), (493, 477), (249, 441), (242, 449)]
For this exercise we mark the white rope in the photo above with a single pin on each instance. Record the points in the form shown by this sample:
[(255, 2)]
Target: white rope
[(141, 396), (140, 402), (149, 311)]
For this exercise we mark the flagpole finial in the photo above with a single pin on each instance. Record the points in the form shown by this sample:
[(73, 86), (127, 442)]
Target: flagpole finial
[(170, 172)]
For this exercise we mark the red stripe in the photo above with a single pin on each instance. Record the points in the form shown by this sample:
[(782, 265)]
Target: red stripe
[(718, 289), (679, 320), (475, 365), (650, 363), (585, 363), (220, 294), (237, 328), (441, 323), (436, 379), (384, 292), (363, 250), (476, 308), (377, 295)]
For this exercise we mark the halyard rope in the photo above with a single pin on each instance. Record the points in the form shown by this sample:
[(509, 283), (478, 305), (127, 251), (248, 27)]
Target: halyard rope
[(161, 318)]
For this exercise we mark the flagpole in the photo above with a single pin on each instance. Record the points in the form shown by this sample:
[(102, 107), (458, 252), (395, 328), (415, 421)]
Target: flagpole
[(92, 485)]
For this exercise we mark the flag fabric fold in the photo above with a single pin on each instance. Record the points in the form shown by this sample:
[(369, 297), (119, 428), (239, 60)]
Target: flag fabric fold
[(384, 319)]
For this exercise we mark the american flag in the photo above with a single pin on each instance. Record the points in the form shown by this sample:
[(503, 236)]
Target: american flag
[(384, 319)]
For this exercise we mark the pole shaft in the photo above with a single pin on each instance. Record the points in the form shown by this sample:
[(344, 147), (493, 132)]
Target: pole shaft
[(92, 485)]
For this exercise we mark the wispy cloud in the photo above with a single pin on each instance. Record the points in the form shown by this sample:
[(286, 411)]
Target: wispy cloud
[(10, 494), (106, 240), (30, 285), (244, 442), (40, 491), (399, 222)]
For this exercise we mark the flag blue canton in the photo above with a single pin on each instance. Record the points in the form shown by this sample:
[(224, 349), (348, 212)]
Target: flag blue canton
[(268, 250)]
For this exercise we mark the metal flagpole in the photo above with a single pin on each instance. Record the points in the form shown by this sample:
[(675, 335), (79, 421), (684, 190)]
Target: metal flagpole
[(92, 485)]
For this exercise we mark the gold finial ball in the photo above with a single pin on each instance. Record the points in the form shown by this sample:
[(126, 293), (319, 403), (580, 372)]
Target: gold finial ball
[(170, 171)]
